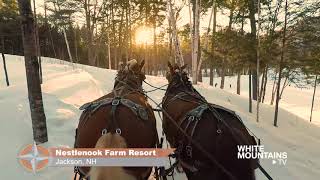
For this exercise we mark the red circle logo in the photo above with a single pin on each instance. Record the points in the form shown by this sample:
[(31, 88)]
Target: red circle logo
[(33, 157)]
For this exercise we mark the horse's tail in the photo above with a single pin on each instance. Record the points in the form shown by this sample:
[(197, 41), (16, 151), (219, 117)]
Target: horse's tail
[(111, 141), (113, 173)]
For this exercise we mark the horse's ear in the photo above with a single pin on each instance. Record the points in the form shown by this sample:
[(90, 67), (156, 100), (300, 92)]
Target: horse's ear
[(170, 67), (122, 66), (184, 66), (142, 64)]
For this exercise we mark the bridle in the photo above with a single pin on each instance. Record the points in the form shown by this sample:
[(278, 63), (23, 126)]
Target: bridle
[(180, 78), (128, 80)]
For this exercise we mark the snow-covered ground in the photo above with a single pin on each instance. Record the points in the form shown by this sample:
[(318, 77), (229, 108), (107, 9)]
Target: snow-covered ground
[(295, 100), (66, 87)]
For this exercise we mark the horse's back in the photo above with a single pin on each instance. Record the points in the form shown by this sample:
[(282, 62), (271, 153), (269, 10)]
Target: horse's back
[(223, 146), (137, 132), (133, 128)]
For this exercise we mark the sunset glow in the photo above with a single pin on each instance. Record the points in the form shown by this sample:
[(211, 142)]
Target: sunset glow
[(144, 35)]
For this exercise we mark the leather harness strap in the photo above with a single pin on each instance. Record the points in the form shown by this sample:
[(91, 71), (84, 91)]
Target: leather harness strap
[(136, 108), (131, 83), (193, 117), (113, 125)]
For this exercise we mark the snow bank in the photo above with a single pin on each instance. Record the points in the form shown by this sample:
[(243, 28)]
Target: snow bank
[(66, 87)]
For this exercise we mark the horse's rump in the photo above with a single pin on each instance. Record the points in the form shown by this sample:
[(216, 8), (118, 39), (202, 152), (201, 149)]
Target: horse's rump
[(138, 132), (243, 137), (222, 145)]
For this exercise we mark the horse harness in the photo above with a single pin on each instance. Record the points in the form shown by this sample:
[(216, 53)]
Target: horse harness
[(112, 126), (191, 120)]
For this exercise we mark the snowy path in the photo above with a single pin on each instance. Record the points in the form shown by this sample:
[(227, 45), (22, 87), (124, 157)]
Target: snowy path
[(66, 87)]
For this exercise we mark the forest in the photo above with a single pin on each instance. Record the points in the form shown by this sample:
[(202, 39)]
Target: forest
[(240, 72), (275, 39)]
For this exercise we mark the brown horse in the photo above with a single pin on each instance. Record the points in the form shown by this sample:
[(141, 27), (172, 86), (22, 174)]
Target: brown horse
[(215, 130), (120, 119)]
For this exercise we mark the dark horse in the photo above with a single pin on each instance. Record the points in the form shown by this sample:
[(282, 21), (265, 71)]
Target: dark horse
[(120, 119), (215, 130)]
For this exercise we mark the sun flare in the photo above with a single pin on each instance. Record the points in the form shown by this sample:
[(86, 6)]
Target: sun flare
[(144, 35)]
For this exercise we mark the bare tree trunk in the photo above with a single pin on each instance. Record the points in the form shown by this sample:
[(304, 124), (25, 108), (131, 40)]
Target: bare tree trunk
[(199, 73), (285, 84), (254, 84), (37, 40), (206, 44), (206, 69), (250, 92), (120, 36), (155, 56), (314, 92), (265, 85), (275, 123), (76, 45), (230, 18), (263, 79), (252, 12), (89, 32), (238, 82), (213, 43), (65, 38), (113, 30), (274, 87), (271, 34), (172, 21), (191, 28), (4, 63), (261, 88), (52, 44), (195, 55), (46, 53), (130, 30), (171, 59), (211, 75), (109, 50), (126, 37), (258, 63), (199, 76), (67, 44), (5, 68), (222, 77), (38, 117)]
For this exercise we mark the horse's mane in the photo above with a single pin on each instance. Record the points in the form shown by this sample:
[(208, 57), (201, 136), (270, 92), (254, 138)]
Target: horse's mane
[(129, 74)]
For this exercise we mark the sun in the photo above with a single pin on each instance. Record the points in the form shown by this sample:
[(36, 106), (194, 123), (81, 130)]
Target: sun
[(144, 35)]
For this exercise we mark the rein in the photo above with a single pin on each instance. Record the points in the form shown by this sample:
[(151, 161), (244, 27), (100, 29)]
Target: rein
[(159, 144), (155, 88), (195, 143)]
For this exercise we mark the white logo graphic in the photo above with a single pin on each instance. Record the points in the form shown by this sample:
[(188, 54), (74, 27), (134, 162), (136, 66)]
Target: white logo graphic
[(258, 152)]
